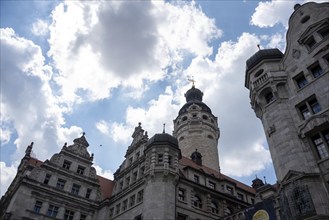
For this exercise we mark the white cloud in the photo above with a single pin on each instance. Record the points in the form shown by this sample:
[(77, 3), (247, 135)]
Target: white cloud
[(103, 127), (40, 28), (27, 101), (7, 175), (100, 46), (267, 14), (104, 173)]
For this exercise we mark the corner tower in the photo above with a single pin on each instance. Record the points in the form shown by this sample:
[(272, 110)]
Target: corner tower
[(197, 128)]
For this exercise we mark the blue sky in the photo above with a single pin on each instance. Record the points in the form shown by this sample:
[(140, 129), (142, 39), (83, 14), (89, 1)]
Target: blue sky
[(104, 66)]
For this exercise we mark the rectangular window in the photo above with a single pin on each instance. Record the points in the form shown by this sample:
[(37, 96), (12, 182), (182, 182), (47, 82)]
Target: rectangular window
[(81, 170), (196, 178), (37, 206), (310, 42), (124, 205), (47, 178), (132, 200), (160, 158), (83, 217), (170, 160), (181, 194), (52, 211), (88, 193), (60, 184), (324, 32), (140, 196), (75, 189), (240, 196), (181, 216), (212, 185), (127, 181), (300, 80), (321, 142), (66, 164), (309, 107), (68, 215), (121, 185), (135, 176), (130, 161), (229, 190), (117, 208), (252, 201), (111, 212), (316, 70)]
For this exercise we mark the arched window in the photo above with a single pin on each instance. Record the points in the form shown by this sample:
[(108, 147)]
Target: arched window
[(210, 137), (205, 117), (181, 138), (197, 202), (269, 97), (184, 118), (214, 207)]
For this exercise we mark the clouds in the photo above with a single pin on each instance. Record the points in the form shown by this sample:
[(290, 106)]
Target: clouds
[(101, 46)]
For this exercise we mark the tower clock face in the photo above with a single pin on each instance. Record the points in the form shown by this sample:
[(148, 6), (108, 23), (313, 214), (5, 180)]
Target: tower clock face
[(261, 215)]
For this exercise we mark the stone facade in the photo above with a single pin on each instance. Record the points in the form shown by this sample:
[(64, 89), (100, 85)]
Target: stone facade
[(155, 181), (290, 94)]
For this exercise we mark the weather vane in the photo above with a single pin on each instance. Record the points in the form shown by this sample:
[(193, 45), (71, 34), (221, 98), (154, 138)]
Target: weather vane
[(191, 80)]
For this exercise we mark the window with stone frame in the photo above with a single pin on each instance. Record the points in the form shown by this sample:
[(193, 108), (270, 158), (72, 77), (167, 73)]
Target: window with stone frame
[(170, 160), (88, 193), (269, 97), (60, 184), (196, 178), (52, 210), (321, 143), (134, 176), (37, 206), (47, 178), (140, 195), (66, 164), (138, 217), (229, 189), (181, 216), (300, 80), (121, 185), (240, 196), (316, 70), (127, 181), (181, 194), (160, 158), (302, 202), (125, 205), (214, 207), (310, 42), (68, 215), (324, 32), (81, 170), (196, 201), (117, 208), (309, 107), (75, 189), (83, 217), (212, 185), (132, 200), (111, 212)]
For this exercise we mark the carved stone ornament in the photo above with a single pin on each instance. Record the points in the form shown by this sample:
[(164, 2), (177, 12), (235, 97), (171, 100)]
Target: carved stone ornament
[(296, 54)]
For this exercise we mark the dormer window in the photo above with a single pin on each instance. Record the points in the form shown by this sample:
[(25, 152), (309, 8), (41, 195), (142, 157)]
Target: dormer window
[(324, 32)]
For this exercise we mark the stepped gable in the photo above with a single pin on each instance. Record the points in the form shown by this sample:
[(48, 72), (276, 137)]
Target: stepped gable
[(186, 162)]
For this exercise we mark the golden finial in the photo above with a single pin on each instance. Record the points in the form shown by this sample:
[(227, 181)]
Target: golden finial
[(191, 80)]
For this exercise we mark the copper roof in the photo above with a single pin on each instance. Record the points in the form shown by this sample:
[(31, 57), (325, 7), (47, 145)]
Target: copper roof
[(186, 162)]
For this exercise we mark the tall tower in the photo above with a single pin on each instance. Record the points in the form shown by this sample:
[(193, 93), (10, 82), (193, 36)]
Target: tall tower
[(196, 128), (290, 94)]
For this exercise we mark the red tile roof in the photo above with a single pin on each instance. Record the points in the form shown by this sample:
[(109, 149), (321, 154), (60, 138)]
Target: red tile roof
[(106, 186), (186, 162)]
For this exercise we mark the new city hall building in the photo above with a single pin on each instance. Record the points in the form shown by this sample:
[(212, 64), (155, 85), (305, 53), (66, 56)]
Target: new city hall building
[(178, 177)]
